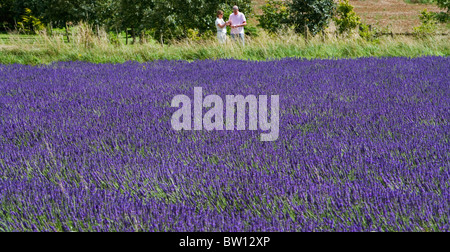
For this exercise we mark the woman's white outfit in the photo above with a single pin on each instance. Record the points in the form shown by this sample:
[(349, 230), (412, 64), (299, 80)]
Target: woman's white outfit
[(221, 32)]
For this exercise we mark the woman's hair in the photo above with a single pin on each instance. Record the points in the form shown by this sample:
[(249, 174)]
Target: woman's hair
[(219, 13)]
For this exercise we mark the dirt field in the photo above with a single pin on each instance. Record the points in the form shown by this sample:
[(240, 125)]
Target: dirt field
[(396, 15)]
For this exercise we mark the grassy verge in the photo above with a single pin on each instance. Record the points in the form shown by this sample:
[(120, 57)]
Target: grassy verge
[(44, 49)]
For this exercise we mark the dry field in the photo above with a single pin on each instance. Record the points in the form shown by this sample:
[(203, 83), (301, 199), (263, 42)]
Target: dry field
[(396, 15)]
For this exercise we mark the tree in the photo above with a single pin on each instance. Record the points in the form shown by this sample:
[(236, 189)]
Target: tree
[(346, 19), (275, 16), (172, 19), (61, 12), (29, 23), (11, 11), (134, 14), (166, 19), (6, 14), (428, 24), (443, 16), (94, 12), (313, 14), (443, 4)]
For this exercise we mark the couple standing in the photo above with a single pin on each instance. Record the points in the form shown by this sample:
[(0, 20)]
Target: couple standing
[(237, 21)]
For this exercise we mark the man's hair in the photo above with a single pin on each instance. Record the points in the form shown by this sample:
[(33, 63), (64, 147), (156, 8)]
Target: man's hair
[(219, 13), (235, 7)]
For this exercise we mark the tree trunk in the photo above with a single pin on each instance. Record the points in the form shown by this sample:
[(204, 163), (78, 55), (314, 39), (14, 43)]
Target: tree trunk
[(51, 28), (118, 37), (306, 32), (133, 34), (142, 38), (67, 34)]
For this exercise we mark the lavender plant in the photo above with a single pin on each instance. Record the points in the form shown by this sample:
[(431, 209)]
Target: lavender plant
[(363, 146)]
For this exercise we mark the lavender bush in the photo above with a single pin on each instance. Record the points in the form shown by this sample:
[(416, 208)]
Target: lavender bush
[(363, 146)]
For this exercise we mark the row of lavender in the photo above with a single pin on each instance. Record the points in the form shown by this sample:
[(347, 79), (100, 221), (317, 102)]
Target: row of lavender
[(363, 146)]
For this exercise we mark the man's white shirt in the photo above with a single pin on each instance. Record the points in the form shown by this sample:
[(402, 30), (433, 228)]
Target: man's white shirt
[(237, 20)]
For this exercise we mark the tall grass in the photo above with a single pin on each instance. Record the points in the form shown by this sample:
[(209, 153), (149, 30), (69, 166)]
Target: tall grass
[(86, 46)]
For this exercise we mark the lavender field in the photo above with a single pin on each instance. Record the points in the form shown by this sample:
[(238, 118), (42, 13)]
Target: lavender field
[(364, 145)]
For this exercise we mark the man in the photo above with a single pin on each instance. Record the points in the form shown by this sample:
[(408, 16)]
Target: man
[(238, 21)]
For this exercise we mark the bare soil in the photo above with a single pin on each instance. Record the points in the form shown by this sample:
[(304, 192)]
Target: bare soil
[(396, 15)]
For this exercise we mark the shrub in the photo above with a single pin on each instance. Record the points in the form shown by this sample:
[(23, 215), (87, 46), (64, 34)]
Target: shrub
[(367, 33), (207, 35), (443, 4), (346, 19), (275, 16), (311, 13), (428, 26), (193, 34), (30, 23), (114, 38), (444, 16), (252, 31)]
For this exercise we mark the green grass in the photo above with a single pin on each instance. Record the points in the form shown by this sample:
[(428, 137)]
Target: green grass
[(87, 47)]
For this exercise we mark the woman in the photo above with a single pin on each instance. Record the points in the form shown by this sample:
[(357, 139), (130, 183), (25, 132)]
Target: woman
[(221, 28)]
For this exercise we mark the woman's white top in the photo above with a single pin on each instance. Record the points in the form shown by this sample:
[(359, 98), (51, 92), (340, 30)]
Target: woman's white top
[(221, 22)]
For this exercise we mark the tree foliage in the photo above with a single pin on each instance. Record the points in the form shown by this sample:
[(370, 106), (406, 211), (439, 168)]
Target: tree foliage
[(30, 24), (174, 18), (346, 18), (443, 16), (443, 4), (163, 19), (428, 24), (313, 14), (275, 16), (11, 11)]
